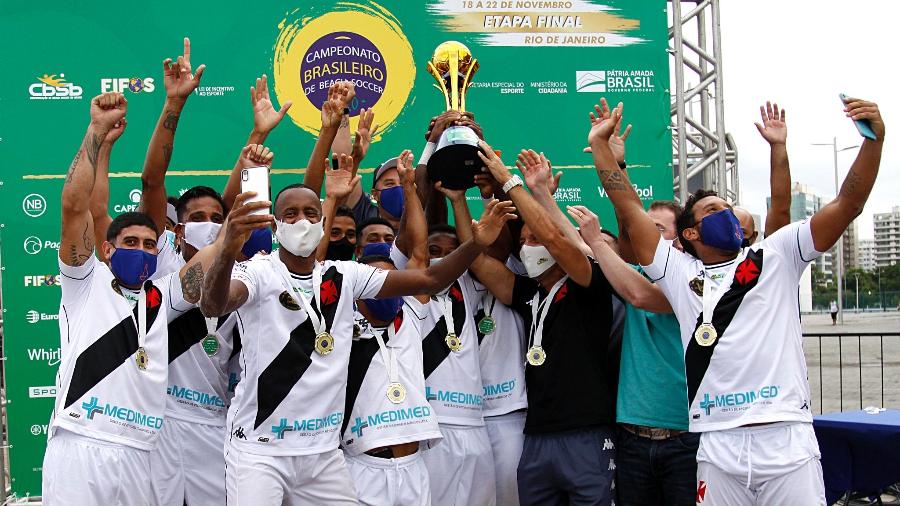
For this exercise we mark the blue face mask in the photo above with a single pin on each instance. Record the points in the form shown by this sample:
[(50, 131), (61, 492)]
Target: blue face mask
[(392, 200), (722, 230), (384, 309), (260, 240), (132, 266), (377, 248)]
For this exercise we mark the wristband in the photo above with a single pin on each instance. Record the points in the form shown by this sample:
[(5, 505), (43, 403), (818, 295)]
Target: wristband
[(426, 153), (512, 183)]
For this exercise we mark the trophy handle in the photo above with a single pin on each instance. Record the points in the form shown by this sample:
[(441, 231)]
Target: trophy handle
[(441, 86), (466, 83)]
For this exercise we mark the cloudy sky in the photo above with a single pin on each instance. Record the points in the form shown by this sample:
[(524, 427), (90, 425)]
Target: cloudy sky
[(802, 54)]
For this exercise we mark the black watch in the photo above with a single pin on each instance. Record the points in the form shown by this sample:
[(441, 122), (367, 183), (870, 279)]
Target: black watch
[(346, 111), (622, 165)]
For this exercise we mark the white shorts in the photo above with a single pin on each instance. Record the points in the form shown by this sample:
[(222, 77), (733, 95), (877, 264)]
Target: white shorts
[(461, 468), (252, 480), (766, 465), (83, 470), (506, 435), (188, 466), (390, 482)]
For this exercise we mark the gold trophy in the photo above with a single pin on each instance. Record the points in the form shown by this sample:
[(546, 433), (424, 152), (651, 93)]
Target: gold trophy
[(455, 160)]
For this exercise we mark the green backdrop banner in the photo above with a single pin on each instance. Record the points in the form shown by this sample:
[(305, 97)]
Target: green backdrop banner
[(543, 65)]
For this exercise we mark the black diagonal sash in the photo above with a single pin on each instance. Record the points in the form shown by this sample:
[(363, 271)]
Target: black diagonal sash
[(329, 307), (696, 357), (188, 330), (106, 354), (434, 348), (235, 341), (361, 354), (277, 380), (478, 316)]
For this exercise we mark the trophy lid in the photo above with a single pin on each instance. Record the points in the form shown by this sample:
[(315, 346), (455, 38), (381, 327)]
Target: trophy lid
[(441, 57)]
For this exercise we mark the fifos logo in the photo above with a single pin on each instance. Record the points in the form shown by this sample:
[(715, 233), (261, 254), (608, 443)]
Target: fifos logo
[(53, 87), (46, 280), (132, 84)]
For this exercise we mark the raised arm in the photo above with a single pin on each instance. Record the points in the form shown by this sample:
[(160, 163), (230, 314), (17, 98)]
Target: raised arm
[(435, 207), (342, 144), (364, 133), (439, 275), (77, 234), (630, 212), (100, 193), (179, 83), (265, 119), (626, 281), (332, 116), (830, 222), (338, 184), (774, 130), (412, 240), (540, 180), (221, 294), (562, 247)]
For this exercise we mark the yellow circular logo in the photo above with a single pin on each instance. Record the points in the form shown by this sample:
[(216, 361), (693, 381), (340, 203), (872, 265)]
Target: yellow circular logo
[(364, 45)]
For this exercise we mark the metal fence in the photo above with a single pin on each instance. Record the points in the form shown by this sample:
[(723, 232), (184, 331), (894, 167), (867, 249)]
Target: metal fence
[(850, 371)]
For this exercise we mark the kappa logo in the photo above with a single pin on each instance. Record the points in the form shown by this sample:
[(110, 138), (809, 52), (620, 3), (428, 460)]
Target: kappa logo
[(701, 491), (239, 433), (608, 444)]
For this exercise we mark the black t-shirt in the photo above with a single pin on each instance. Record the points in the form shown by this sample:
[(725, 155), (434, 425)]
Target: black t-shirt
[(571, 389)]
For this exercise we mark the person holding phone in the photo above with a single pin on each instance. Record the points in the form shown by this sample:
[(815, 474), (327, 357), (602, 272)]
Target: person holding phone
[(296, 323)]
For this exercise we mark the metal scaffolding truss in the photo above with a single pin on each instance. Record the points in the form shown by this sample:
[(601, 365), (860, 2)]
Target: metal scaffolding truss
[(704, 155)]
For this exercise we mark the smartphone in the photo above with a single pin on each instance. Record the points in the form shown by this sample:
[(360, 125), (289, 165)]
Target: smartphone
[(862, 125), (256, 179)]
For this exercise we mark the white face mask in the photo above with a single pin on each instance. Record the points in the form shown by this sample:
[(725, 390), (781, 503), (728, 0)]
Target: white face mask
[(300, 238), (201, 234), (536, 260)]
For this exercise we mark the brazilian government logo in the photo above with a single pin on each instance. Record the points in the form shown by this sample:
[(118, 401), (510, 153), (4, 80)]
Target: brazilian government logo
[(357, 42)]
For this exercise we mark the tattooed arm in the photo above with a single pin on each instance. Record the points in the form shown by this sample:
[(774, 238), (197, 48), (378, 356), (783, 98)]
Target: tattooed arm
[(100, 193), (630, 212), (180, 83), (830, 222), (77, 236)]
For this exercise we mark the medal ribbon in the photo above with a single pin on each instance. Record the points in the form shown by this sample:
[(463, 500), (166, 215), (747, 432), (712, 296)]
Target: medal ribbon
[(447, 309), (488, 304), (387, 354), (710, 297), (537, 321), (141, 324), (317, 319), (211, 325)]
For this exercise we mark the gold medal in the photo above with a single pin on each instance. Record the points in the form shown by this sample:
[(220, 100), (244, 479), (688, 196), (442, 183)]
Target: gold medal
[(396, 393), (453, 342), (324, 343), (536, 356), (142, 359), (706, 334), (487, 325), (210, 344)]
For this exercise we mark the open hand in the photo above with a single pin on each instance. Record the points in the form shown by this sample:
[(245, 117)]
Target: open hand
[(405, 169), (487, 185), (452, 195), (265, 117), (493, 163), (536, 169), (773, 127), (496, 214), (603, 124), (341, 181), (588, 223), (333, 108), (177, 77), (364, 133), (440, 123)]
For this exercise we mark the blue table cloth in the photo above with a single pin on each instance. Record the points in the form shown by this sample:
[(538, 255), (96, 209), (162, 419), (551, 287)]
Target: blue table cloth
[(860, 451)]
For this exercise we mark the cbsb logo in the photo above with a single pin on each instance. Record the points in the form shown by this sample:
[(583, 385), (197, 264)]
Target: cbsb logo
[(736, 401), (134, 196), (34, 205), (47, 280), (34, 317), (132, 84), (51, 87), (33, 245)]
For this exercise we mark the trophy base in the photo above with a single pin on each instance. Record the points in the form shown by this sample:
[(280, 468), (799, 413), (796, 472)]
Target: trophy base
[(455, 161)]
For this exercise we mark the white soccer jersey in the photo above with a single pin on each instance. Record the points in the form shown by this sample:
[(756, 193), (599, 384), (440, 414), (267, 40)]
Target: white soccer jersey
[(290, 400), (199, 375), (374, 421), (755, 372), (103, 393), (199, 367), (501, 355), (452, 378)]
